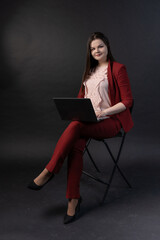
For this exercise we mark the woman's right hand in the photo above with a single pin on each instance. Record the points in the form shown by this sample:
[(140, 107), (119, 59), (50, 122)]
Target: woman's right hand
[(97, 113), (101, 113)]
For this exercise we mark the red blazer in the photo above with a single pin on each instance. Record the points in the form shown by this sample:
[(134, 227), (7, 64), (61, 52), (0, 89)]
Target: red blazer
[(119, 90)]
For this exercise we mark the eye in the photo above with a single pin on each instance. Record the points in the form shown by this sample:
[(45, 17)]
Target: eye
[(92, 49)]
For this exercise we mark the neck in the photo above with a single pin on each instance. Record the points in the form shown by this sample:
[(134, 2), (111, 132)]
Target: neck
[(100, 64)]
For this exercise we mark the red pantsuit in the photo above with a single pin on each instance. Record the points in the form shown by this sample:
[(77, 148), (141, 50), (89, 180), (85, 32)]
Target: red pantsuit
[(73, 140), (72, 143)]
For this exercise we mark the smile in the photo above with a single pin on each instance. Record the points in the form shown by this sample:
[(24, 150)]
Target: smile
[(97, 55)]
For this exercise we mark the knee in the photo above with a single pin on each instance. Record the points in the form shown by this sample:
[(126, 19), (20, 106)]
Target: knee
[(76, 124)]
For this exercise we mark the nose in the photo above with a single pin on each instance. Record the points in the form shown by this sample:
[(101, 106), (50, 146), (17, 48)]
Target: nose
[(97, 50)]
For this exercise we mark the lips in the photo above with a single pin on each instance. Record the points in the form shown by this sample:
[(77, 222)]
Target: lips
[(97, 55)]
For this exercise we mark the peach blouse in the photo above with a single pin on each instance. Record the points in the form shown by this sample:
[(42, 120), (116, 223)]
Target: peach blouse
[(96, 88)]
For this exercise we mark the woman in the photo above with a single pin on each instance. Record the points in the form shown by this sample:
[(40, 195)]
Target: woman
[(106, 83)]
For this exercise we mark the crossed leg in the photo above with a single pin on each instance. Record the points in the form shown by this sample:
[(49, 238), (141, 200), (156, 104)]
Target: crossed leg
[(72, 143)]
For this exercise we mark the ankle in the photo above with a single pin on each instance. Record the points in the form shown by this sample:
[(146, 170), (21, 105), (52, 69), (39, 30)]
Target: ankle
[(72, 205), (43, 177), (46, 173), (73, 200)]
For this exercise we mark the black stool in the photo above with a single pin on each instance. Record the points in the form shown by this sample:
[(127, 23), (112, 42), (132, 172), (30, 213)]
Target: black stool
[(115, 160)]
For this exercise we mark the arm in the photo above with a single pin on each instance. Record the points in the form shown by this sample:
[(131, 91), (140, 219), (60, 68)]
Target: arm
[(125, 94), (117, 108), (80, 93)]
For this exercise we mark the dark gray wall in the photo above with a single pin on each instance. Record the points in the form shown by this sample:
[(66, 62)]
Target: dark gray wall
[(43, 49)]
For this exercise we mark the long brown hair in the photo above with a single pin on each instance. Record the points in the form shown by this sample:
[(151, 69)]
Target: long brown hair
[(91, 63)]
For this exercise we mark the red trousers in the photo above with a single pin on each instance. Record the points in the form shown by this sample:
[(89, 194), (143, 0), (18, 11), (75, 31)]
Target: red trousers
[(72, 143)]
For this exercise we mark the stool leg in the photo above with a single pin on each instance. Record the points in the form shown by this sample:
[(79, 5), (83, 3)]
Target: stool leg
[(109, 184), (114, 168), (92, 160), (116, 161)]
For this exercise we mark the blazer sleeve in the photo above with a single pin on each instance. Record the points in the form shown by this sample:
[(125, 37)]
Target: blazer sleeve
[(80, 94), (124, 87)]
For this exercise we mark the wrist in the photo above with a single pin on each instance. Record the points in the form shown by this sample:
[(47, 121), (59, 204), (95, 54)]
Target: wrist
[(106, 112)]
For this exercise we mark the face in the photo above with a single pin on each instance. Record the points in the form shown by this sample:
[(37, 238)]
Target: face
[(99, 50)]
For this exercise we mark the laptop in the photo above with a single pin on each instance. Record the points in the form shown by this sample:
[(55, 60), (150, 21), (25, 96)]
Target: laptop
[(79, 109)]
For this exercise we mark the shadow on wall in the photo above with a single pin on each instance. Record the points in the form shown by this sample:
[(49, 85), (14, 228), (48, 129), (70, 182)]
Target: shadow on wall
[(7, 73), (21, 59)]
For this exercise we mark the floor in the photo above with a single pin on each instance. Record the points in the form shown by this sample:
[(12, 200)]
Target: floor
[(128, 214)]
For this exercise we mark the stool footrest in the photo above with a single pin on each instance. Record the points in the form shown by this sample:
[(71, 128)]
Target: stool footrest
[(95, 178)]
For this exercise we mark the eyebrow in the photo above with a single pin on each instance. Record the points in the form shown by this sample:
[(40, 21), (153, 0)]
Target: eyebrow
[(98, 45)]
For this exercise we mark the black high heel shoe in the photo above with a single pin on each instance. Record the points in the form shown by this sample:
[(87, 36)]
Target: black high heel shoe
[(69, 219), (32, 185)]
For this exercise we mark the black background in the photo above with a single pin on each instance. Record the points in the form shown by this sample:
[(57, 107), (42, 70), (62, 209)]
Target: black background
[(43, 54)]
